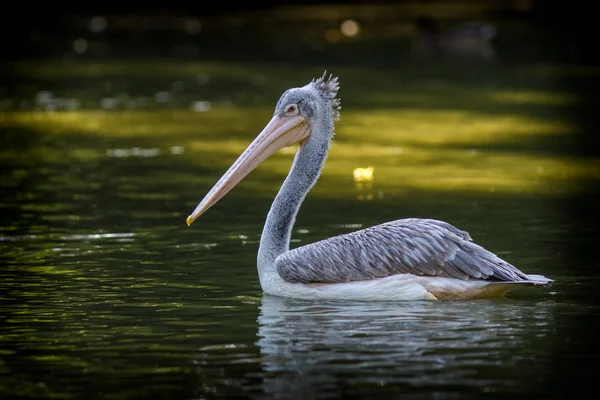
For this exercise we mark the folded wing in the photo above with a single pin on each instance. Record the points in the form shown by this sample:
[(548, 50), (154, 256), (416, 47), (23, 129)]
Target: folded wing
[(415, 246)]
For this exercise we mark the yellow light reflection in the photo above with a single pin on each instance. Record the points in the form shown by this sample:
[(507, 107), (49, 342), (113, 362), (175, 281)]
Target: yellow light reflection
[(396, 127), (438, 150)]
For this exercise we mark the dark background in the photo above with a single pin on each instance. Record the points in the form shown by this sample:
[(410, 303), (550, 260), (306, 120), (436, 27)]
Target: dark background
[(574, 21)]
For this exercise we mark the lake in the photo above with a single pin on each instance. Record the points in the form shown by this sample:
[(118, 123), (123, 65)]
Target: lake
[(106, 293)]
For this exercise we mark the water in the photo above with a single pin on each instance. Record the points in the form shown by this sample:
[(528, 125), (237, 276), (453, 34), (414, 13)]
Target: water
[(105, 293)]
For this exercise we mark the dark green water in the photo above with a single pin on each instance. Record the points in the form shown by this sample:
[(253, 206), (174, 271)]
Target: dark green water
[(105, 293)]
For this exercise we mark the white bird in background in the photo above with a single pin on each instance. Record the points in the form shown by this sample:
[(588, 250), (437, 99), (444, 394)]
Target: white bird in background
[(406, 259)]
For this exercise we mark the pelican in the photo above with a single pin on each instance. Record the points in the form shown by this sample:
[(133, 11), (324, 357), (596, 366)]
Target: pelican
[(406, 259)]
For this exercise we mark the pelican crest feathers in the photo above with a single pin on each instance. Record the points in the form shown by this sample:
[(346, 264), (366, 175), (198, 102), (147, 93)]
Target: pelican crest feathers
[(328, 88)]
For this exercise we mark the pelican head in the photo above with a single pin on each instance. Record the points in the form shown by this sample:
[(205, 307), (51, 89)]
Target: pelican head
[(300, 114)]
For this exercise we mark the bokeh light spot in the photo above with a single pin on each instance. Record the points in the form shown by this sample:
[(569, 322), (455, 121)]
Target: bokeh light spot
[(97, 24), (193, 26), (80, 45), (350, 28)]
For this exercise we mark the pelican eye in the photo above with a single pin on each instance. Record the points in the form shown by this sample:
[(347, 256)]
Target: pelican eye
[(292, 108)]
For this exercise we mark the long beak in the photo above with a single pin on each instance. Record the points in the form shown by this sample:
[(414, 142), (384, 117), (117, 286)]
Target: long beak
[(280, 132)]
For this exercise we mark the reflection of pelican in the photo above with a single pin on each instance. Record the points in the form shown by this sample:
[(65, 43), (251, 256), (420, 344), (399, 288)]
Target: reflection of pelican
[(407, 259), (326, 349)]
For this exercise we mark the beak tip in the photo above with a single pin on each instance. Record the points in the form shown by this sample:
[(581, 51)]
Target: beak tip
[(189, 220)]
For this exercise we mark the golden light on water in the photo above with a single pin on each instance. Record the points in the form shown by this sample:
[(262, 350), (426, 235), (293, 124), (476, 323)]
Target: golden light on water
[(441, 136), (435, 150)]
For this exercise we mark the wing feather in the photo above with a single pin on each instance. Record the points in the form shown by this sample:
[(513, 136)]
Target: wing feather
[(417, 246)]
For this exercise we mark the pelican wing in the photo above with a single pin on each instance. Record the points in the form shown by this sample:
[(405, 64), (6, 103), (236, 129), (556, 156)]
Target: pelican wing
[(415, 246)]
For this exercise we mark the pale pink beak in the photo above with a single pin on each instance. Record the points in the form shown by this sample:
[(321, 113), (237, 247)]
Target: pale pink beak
[(280, 132)]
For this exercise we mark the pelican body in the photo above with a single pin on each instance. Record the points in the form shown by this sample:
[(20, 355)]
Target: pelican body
[(406, 259)]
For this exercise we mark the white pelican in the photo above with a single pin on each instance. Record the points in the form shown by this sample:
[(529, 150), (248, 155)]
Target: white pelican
[(406, 259)]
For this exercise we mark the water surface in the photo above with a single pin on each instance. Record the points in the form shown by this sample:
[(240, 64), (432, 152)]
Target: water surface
[(105, 293)]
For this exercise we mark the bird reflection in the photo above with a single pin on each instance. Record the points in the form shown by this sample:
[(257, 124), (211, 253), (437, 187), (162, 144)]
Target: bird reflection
[(327, 348)]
